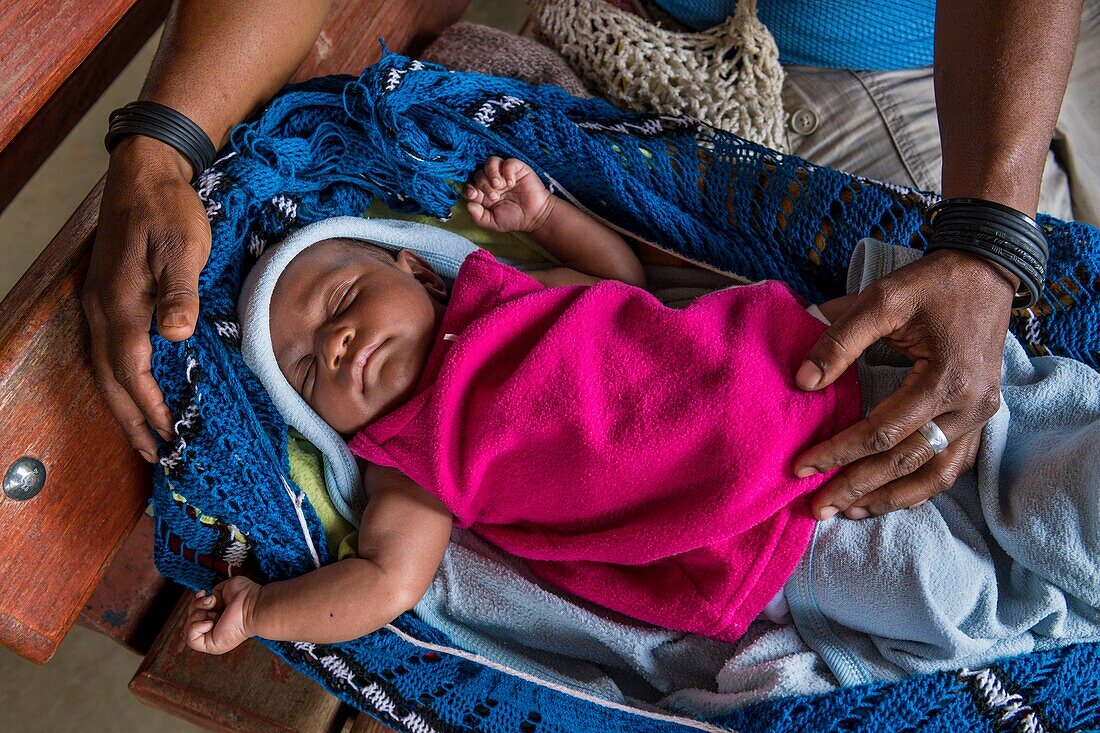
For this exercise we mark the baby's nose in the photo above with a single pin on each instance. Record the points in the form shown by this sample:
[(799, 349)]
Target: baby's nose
[(339, 341)]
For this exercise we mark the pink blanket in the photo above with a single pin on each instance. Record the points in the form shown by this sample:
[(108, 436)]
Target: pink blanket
[(634, 455)]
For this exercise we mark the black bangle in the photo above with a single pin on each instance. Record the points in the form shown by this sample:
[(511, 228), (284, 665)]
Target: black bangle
[(997, 232), (159, 122)]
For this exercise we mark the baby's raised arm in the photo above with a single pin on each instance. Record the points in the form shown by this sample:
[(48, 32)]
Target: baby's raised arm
[(507, 196), (402, 538)]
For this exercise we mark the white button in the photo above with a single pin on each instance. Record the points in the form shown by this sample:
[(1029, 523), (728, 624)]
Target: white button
[(450, 337), (804, 121)]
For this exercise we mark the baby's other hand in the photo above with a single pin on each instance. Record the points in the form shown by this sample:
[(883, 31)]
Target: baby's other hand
[(507, 196), (220, 621), (835, 308)]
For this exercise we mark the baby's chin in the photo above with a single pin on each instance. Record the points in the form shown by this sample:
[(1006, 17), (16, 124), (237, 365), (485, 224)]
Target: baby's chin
[(400, 375)]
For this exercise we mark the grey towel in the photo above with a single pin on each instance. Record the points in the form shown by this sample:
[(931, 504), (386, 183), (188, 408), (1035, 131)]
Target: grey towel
[(485, 50)]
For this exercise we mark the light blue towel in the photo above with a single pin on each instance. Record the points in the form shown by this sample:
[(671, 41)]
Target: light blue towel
[(1006, 562), (489, 604)]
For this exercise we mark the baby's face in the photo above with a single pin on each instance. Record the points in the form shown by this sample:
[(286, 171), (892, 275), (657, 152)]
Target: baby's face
[(352, 328)]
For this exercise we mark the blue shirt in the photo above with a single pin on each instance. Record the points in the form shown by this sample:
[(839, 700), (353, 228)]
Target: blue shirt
[(846, 34)]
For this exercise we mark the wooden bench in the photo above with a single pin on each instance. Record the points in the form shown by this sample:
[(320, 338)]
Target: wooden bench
[(58, 58), (80, 548)]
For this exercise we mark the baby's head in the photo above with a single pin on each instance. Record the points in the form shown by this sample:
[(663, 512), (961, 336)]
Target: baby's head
[(314, 307), (352, 325)]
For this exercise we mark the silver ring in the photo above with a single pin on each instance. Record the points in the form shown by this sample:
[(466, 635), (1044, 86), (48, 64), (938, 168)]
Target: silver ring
[(931, 432)]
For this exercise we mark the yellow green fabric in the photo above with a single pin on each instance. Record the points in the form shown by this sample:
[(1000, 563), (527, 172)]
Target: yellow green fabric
[(306, 471)]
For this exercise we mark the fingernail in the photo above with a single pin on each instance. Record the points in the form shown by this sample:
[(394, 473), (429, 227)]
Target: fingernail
[(856, 512), (805, 471), (919, 503), (808, 375), (827, 512), (147, 455), (497, 182), (174, 320), (165, 435)]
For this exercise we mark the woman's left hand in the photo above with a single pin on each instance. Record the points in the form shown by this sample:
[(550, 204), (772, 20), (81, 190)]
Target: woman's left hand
[(948, 312)]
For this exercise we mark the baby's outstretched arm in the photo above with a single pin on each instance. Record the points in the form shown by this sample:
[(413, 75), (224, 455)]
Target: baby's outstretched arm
[(402, 538), (507, 196)]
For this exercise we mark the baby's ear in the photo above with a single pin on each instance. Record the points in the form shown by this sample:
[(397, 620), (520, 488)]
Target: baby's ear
[(413, 264)]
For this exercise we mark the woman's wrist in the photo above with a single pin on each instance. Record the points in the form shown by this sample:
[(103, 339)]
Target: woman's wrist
[(149, 156), (989, 271)]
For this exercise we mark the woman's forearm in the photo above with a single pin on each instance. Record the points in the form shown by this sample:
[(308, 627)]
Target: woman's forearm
[(219, 61), (334, 603), (1000, 72)]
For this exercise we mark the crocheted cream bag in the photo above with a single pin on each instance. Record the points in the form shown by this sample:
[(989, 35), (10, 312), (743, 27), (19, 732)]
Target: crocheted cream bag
[(728, 76)]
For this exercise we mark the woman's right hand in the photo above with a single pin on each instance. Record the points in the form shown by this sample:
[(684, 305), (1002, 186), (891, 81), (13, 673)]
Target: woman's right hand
[(152, 241)]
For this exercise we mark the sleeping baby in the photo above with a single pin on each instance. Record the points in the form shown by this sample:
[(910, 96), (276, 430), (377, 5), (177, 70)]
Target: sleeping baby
[(634, 455)]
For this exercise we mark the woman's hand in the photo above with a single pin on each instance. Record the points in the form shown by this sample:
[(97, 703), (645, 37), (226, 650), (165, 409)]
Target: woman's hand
[(152, 241), (221, 621), (948, 312)]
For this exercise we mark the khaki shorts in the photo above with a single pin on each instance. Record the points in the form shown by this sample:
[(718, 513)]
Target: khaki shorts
[(883, 125)]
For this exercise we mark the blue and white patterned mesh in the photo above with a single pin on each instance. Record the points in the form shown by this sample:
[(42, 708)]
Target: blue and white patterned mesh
[(407, 132)]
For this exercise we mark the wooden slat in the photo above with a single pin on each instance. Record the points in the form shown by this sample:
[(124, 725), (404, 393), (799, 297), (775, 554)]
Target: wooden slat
[(44, 43), (133, 601), (349, 41), (54, 67), (55, 548), (247, 690), (364, 723)]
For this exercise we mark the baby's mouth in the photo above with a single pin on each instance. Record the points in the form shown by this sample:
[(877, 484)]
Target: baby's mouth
[(364, 359)]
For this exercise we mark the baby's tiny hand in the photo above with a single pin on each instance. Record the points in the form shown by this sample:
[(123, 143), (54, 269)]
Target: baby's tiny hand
[(507, 196), (219, 622), (837, 307)]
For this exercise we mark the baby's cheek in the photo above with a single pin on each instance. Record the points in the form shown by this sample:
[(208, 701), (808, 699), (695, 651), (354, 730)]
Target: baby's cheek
[(340, 411)]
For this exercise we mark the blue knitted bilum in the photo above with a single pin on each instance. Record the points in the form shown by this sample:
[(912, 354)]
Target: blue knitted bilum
[(410, 133)]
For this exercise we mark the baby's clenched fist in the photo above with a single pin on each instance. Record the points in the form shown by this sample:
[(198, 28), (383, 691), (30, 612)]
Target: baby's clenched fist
[(507, 196), (220, 621)]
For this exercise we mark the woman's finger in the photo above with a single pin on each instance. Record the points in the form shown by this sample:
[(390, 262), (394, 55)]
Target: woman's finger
[(867, 475), (933, 478), (913, 404), (870, 317), (121, 361), (176, 258)]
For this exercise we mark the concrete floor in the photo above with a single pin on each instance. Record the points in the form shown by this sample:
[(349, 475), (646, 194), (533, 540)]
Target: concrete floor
[(83, 688)]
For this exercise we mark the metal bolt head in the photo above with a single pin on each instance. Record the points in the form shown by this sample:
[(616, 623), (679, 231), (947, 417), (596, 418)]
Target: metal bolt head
[(24, 479)]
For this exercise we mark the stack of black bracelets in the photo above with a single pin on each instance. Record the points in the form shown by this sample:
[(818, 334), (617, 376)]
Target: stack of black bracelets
[(1001, 234), (159, 122)]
